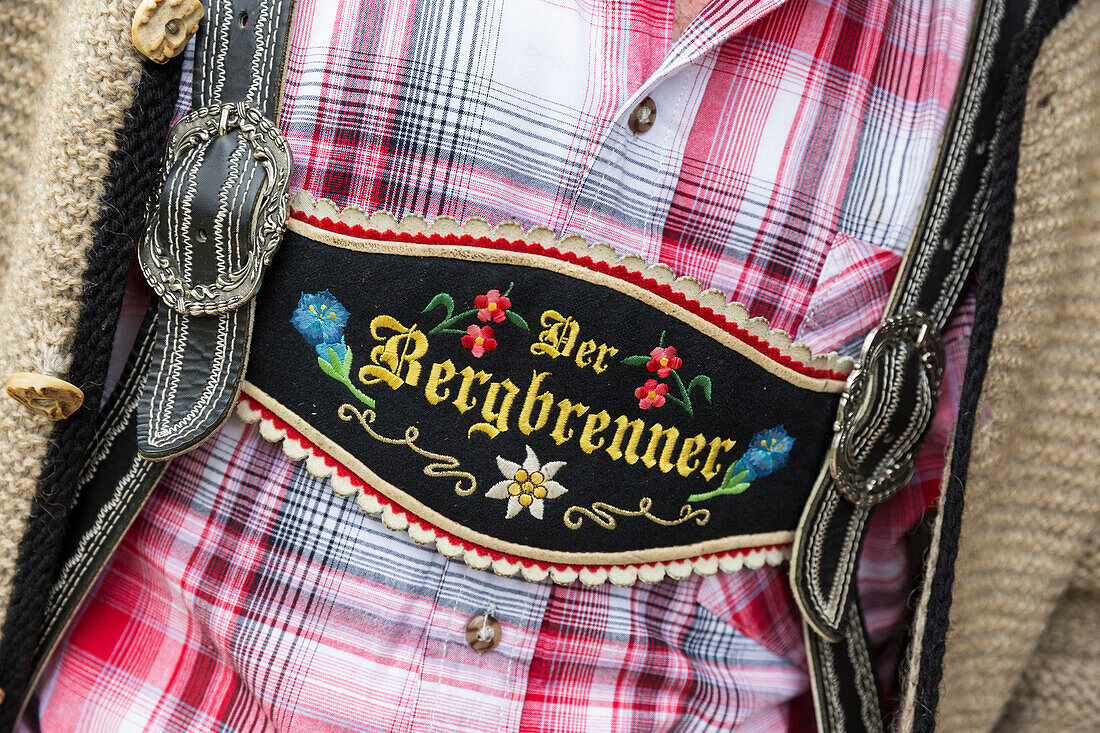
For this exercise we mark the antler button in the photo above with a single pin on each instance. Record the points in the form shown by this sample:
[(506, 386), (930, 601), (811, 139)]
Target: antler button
[(162, 28), (45, 395)]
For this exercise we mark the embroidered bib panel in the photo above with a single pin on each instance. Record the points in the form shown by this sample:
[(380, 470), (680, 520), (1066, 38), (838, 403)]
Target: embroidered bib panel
[(540, 406)]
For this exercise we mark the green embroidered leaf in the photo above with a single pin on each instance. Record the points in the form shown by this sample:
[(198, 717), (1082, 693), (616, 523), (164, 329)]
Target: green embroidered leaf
[(517, 319), (347, 362), (443, 299), (343, 368), (685, 396), (728, 480), (328, 368), (686, 404), (635, 360), (701, 381), (731, 486), (661, 343)]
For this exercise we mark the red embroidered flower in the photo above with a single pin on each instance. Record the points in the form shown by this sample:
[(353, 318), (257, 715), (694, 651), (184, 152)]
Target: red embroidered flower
[(491, 306), (651, 394), (479, 339), (663, 361)]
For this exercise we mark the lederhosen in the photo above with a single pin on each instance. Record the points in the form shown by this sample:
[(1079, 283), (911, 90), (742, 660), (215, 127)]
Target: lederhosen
[(773, 446)]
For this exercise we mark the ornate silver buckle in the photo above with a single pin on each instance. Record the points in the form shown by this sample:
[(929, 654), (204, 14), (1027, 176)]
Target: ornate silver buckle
[(886, 409), (268, 217)]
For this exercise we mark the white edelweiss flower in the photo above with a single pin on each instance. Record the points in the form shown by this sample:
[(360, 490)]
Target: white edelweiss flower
[(528, 485)]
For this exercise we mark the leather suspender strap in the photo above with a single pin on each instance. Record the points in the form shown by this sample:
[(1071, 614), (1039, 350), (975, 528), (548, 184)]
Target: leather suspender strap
[(887, 408), (215, 224), (113, 486)]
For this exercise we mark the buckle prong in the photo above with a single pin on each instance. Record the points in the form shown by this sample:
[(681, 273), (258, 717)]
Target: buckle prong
[(223, 123)]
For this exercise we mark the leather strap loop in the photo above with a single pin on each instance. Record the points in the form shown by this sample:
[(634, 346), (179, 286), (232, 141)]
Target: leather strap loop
[(848, 698), (239, 53)]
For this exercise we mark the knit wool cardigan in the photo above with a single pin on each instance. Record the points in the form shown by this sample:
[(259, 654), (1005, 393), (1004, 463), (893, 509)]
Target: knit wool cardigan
[(1023, 647), (1018, 646)]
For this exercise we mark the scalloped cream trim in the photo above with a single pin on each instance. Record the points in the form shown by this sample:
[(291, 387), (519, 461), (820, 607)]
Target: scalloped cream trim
[(397, 520), (712, 298)]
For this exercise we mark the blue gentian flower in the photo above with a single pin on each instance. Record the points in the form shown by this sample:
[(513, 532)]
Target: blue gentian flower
[(320, 318), (767, 453), (339, 347)]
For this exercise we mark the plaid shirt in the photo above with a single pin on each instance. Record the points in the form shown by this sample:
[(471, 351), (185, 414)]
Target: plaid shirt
[(789, 155)]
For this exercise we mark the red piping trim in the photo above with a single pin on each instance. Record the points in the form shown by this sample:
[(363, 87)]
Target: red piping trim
[(618, 271), (366, 488)]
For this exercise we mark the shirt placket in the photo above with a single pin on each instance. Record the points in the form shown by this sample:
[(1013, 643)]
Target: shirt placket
[(462, 688), (624, 194)]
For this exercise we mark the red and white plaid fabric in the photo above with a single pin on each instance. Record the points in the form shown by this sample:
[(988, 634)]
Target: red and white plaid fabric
[(791, 148)]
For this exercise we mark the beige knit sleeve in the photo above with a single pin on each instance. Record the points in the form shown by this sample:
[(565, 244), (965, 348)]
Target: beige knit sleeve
[(68, 73)]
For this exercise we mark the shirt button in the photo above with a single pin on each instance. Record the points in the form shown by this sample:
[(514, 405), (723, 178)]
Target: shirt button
[(162, 28), (483, 633), (643, 116), (44, 395)]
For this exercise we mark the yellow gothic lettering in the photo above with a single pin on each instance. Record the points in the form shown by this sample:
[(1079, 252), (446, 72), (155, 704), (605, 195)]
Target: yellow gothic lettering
[(441, 372), (687, 463), (560, 434), (462, 399), (605, 351), (671, 435), (586, 348), (558, 338), (712, 467), (491, 413), (545, 400), (596, 422), (396, 360), (637, 427)]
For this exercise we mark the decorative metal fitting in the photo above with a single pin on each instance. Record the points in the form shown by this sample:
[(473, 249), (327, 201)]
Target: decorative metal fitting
[(268, 217), (886, 409)]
